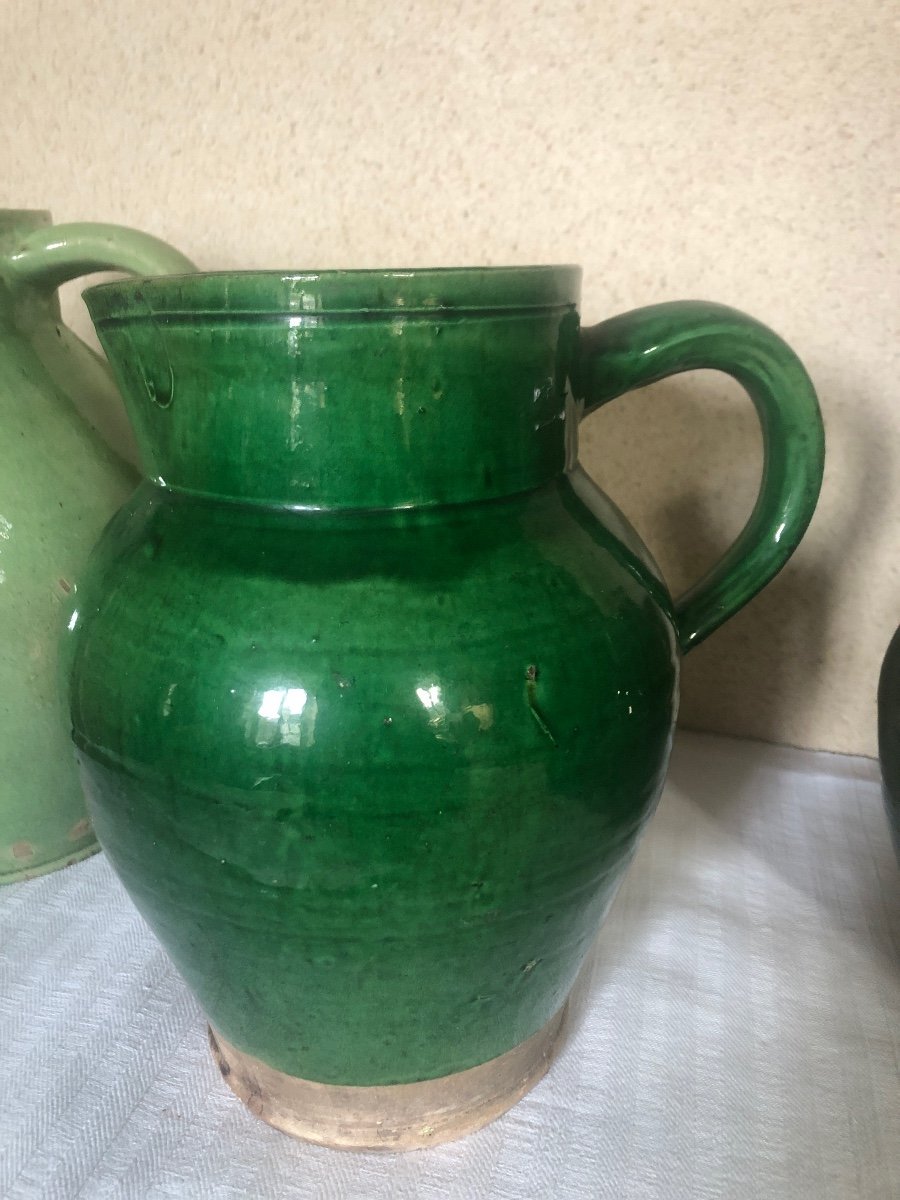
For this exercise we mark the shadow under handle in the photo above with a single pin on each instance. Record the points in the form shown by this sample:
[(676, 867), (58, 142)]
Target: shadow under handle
[(644, 346)]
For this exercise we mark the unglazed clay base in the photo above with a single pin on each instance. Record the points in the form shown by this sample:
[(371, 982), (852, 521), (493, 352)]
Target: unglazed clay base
[(404, 1116)]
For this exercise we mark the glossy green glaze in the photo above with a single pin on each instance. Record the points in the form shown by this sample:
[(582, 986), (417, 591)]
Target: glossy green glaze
[(372, 689), (59, 486), (889, 736)]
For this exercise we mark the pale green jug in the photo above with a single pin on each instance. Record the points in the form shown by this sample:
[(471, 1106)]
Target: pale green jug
[(59, 485)]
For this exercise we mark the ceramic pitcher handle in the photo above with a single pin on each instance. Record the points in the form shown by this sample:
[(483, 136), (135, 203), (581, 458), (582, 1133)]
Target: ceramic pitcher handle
[(641, 347), (54, 254)]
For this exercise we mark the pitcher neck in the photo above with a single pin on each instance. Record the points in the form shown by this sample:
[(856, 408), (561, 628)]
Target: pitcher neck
[(244, 393)]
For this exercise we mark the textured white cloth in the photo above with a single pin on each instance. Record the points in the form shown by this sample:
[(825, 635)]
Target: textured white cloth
[(735, 1033)]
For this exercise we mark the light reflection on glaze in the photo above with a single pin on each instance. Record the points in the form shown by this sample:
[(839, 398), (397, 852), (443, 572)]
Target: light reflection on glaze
[(5, 531), (284, 716), (444, 721), (430, 697)]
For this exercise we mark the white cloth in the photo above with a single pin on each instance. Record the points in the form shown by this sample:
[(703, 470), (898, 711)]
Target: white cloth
[(735, 1033)]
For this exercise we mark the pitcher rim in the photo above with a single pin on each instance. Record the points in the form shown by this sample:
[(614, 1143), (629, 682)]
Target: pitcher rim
[(367, 289)]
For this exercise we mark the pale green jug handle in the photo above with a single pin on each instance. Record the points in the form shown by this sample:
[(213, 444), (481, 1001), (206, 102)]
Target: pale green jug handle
[(641, 347), (47, 257)]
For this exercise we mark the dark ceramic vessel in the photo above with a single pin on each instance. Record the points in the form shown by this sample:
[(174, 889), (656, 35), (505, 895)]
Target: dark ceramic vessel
[(373, 690), (889, 736)]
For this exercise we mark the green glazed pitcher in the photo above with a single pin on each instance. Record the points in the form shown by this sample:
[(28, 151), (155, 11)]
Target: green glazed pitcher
[(59, 485), (373, 689)]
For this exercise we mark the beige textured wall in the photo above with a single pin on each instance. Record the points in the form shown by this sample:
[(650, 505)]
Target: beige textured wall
[(740, 152)]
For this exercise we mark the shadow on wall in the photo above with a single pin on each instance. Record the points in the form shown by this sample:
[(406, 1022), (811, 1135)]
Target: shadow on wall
[(683, 461)]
